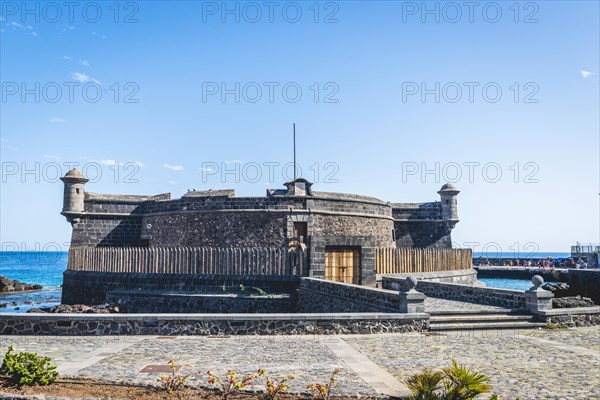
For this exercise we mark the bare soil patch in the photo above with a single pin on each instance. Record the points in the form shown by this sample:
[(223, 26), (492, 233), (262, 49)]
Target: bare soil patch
[(83, 388)]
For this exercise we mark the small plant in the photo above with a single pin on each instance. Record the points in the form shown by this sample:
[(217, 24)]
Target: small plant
[(561, 325), (231, 383), (324, 391), (425, 385), (274, 386), (462, 383), (174, 381), (27, 368), (454, 383), (246, 289)]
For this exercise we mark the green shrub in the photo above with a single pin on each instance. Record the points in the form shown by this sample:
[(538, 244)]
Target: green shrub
[(27, 368), (454, 383)]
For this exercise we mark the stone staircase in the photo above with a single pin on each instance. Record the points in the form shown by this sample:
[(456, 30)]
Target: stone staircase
[(448, 320)]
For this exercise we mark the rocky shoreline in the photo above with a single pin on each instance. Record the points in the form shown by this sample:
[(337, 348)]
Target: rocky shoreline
[(8, 285)]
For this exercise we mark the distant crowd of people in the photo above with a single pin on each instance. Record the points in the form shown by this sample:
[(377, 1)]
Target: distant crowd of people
[(547, 263)]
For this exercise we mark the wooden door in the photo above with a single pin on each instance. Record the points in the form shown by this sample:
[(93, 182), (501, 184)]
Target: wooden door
[(342, 264)]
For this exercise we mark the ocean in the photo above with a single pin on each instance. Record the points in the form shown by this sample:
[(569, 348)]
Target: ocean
[(33, 267), (46, 268)]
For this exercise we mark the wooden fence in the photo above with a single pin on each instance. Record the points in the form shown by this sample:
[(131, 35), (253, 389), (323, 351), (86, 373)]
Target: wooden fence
[(189, 260), (408, 260)]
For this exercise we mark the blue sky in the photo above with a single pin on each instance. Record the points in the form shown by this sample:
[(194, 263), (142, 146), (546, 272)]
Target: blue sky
[(511, 88)]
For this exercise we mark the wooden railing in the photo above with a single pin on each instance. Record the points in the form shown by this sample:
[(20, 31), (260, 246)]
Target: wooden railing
[(408, 260), (189, 260)]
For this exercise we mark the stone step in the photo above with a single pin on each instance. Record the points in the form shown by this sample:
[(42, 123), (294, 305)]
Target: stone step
[(512, 311), (479, 318), (487, 325)]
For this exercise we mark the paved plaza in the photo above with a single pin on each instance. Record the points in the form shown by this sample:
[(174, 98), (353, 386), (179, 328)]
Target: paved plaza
[(530, 364)]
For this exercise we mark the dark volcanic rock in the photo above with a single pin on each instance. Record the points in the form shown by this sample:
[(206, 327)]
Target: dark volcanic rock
[(572, 302), (558, 289), (78, 309), (10, 285)]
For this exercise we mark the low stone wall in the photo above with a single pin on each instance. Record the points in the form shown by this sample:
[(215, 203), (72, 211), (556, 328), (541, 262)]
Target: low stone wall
[(166, 302), (582, 316), (210, 324), (586, 282), (452, 291), (323, 296), (87, 287), (557, 275), (464, 276)]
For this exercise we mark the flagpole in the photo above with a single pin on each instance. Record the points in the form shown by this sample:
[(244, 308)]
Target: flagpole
[(295, 151)]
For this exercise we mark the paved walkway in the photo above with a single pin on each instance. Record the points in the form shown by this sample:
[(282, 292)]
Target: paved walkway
[(532, 364), (436, 304)]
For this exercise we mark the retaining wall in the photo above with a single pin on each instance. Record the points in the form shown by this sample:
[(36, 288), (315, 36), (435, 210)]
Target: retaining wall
[(167, 302), (586, 282), (323, 296), (214, 324), (87, 287), (452, 291)]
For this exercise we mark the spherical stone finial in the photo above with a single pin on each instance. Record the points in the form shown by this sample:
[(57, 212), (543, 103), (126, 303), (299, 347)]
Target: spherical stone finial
[(411, 282), (537, 281)]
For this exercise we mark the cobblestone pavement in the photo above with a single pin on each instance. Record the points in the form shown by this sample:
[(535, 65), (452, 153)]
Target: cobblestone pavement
[(532, 365), (435, 304), (541, 364)]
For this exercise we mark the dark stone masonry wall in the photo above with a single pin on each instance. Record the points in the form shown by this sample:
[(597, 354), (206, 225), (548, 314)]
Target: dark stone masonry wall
[(223, 303), (585, 282), (164, 324), (99, 231), (379, 230), (321, 296), (435, 234), (251, 229), (452, 291), (85, 287)]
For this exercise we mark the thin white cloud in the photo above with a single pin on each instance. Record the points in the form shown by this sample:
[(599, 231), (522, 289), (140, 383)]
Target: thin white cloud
[(173, 167), (139, 163), (81, 77), (109, 163), (58, 120), (207, 169), (85, 63), (586, 74), (173, 183), (66, 58), (69, 28), (2, 19), (51, 157), (78, 76), (16, 25)]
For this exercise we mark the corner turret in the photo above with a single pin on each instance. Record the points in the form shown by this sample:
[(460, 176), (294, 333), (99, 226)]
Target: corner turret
[(73, 195), (449, 205)]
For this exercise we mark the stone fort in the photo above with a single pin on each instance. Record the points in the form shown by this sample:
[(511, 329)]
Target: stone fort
[(337, 235)]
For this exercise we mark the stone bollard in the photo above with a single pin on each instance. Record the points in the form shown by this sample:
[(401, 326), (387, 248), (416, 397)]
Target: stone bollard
[(412, 301), (536, 298)]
